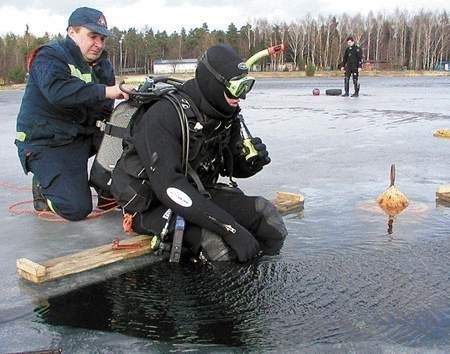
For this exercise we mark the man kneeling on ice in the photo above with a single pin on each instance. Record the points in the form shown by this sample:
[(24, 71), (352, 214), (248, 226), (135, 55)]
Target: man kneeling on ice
[(181, 145)]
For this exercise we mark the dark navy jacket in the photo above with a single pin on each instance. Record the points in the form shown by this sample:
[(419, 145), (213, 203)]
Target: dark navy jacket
[(63, 99)]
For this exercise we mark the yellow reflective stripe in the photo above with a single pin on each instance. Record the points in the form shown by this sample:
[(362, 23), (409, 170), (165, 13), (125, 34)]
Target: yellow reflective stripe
[(50, 205), (21, 136), (74, 71)]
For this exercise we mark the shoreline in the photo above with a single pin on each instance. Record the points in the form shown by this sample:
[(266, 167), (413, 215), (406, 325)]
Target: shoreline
[(338, 73), (301, 74), (279, 74)]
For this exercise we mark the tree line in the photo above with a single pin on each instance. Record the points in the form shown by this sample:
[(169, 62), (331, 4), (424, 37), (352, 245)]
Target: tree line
[(403, 40)]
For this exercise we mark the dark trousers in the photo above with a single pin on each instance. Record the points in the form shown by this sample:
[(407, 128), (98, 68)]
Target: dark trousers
[(256, 214), (355, 75), (63, 175)]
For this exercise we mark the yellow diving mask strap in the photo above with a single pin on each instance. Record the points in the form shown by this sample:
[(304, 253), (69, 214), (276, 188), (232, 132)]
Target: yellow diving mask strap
[(237, 87)]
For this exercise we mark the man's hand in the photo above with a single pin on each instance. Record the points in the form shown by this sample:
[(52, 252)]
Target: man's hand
[(359, 70), (342, 68), (263, 155), (114, 92)]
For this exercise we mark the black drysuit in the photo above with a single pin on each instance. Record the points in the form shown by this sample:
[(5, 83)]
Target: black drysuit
[(352, 60), (248, 225)]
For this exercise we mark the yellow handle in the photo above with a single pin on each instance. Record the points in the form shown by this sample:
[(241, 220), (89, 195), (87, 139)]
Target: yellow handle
[(249, 150)]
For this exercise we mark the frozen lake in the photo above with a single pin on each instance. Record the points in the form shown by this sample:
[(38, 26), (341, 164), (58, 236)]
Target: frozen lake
[(341, 283)]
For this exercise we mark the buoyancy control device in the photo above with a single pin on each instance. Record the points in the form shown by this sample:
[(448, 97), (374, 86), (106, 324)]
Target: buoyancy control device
[(133, 192)]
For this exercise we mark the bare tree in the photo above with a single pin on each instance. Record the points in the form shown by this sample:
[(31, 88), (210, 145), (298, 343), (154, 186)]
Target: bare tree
[(296, 35), (418, 41), (342, 32), (369, 23), (379, 28)]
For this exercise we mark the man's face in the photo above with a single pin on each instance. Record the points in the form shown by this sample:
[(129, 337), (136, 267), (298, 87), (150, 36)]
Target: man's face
[(91, 44), (350, 43), (233, 102)]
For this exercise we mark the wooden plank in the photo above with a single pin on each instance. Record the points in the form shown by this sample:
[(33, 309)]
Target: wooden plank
[(288, 202), (103, 255), (81, 261), (31, 267), (443, 193), (442, 133)]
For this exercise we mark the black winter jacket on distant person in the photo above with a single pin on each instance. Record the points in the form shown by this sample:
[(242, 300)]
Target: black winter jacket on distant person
[(353, 58)]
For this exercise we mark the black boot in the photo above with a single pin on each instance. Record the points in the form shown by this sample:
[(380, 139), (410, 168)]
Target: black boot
[(356, 86), (39, 201), (346, 87)]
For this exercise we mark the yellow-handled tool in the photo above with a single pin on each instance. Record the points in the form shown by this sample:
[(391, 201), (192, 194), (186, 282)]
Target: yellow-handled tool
[(248, 149)]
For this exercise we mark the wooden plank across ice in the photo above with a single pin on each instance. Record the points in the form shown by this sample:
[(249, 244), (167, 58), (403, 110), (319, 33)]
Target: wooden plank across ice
[(81, 261)]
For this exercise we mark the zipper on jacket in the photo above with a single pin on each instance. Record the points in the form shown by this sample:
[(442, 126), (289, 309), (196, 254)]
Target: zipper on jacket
[(227, 227)]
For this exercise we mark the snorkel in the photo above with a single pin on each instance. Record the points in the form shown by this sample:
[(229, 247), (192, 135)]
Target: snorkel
[(248, 149), (240, 86), (264, 53)]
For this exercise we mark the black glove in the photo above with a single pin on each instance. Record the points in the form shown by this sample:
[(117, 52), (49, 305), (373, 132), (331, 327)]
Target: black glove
[(263, 155), (243, 244), (243, 168)]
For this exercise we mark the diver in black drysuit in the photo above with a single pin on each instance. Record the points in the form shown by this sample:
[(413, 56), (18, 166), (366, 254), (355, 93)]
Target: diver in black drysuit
[(352, 64), (224, 218)]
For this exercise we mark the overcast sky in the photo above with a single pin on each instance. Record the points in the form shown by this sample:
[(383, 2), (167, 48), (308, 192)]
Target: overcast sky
[(171, 15)]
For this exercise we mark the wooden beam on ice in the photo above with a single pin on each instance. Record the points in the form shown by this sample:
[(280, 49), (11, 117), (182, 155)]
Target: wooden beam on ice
[(81, 261), (443, 193), (288, 202)]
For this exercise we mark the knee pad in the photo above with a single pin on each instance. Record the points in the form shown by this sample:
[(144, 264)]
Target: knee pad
[(214, 247), (271, 217)]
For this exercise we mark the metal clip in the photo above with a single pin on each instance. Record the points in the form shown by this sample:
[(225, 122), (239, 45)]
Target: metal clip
[(104, 127), (101, 125)]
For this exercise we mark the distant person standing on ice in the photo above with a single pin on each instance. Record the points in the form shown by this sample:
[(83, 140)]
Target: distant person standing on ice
[(352, 65), (71, 85)]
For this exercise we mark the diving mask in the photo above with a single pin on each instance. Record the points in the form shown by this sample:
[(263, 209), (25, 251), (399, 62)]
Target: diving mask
[(236, 87)]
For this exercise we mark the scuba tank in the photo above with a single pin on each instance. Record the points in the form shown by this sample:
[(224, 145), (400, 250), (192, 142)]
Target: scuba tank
[(118, 126)]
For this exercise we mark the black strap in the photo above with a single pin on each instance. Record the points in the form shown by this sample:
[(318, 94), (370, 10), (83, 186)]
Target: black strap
[(116, 131), (194, 175), (193, 106), (141, 186)]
